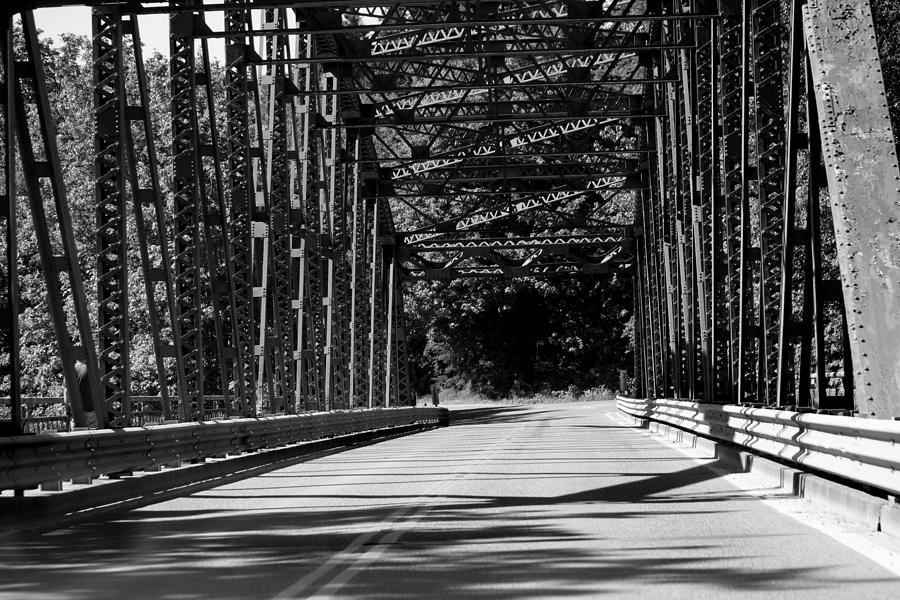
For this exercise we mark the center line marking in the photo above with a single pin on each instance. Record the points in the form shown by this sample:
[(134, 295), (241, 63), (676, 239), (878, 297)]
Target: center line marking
[(349, 557)]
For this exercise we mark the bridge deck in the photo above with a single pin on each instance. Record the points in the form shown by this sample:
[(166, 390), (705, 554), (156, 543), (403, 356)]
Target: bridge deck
[(509, 502)]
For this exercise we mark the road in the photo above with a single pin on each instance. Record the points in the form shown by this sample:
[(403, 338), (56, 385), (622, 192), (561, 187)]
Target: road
[(555, 501)]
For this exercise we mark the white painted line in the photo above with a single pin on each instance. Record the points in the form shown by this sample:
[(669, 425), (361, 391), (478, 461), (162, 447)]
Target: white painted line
[(349, 559), (330, 589), (617, 418), (294, 590), (880, 548)]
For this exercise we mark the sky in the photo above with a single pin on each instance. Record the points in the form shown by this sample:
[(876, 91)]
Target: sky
[(154, 28)]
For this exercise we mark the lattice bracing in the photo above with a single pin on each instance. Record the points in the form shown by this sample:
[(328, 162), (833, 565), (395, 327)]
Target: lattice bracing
[(346, 148)]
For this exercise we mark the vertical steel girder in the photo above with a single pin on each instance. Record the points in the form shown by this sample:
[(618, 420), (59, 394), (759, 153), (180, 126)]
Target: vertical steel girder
[(326, 149), (404, 395), (795, 279), (241, 193), (390, 357), (769, 165), (864, 191), (359, 322), (748, 332), (218, 263), (202, 236), (648, 264), (186, 196), (377, 329), (43, 181), (152, 235), (110, 142), (307, 244), (732, 169), (397, 385), (312, 328), (259, 240), (305, 371), (279, 340), (10, 382)]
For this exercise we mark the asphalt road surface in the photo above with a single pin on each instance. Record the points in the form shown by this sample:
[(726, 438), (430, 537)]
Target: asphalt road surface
[(558, 501)]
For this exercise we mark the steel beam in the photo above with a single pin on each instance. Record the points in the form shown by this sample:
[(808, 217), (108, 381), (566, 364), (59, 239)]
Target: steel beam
[(861, 165), (152, 237), (42, 174), (10, 377)]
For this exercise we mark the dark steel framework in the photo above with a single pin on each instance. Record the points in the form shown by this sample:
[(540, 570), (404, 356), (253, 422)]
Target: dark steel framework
[(700, 147)]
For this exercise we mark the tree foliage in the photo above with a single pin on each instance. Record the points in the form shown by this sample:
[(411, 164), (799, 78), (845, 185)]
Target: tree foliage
[(521, 336)]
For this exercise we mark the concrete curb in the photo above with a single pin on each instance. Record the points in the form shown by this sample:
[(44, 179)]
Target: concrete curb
[(873, 512)]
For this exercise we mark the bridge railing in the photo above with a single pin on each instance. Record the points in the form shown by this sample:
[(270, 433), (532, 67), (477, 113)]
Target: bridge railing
[(31, 460), (866, 451), (51, 413)]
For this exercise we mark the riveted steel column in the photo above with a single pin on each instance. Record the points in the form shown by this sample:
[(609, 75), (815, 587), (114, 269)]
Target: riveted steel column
[(650, 244), (49, 207), (688, 213), (748, 374), (326, 149), (390, 378), (768, 105), (10, 381), (217, 257), (732, 169), (377, 357), (278, 335), (241, 192), (665, 270), (816, 299), (293, 318), (312, 343), (793, 375), (357, 280), (404, 395), (704, 201), (259, 233), (864, 187), (713, 194), (188, 241), (306, 376), (110, 143), (152, 237)]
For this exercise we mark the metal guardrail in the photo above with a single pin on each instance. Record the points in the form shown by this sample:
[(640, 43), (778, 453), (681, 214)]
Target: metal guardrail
[(31, 460), (866, 451), (51, 413)]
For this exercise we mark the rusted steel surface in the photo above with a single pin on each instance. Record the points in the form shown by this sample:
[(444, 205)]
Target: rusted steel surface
[(864, 187)]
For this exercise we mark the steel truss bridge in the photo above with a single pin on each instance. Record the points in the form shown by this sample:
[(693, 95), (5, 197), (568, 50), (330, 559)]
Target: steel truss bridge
[(736, 160)]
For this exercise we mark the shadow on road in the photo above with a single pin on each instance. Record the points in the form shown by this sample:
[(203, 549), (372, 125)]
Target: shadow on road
[(490, 415), (474, 545), (484, 415)]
